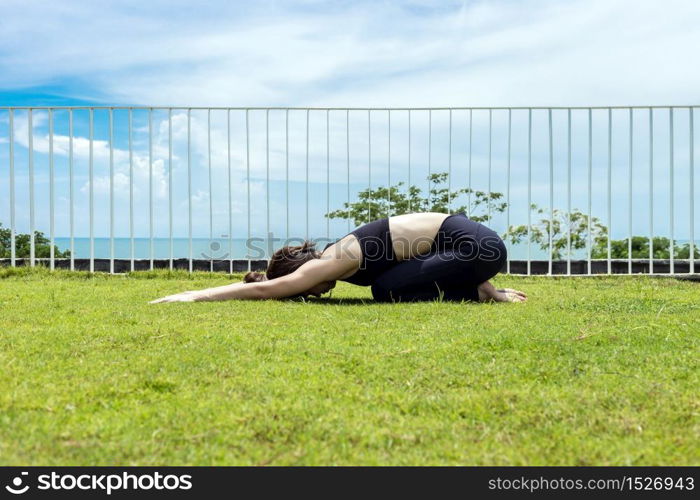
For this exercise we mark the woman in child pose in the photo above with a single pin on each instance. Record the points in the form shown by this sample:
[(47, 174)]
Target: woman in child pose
[(404, 258)]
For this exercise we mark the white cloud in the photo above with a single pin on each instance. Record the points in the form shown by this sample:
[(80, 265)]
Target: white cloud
[(100, 152), (540, 52), (101, 184)]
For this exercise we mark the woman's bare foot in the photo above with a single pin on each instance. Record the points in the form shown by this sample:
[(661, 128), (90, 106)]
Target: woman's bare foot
[(488, 293)]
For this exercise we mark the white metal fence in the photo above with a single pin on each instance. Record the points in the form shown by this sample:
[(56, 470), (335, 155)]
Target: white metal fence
[(632, 168)]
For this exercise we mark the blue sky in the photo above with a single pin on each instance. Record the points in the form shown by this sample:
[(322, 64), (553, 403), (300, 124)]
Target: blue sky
[(348, 53)]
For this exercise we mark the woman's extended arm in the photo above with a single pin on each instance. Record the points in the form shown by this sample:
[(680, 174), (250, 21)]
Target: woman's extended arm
[(307, 276)]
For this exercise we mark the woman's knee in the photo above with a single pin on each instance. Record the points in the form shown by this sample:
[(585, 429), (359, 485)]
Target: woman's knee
[(492, 256), (501, 254)]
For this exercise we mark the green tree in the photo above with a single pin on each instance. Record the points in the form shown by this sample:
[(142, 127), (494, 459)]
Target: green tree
[(640, 249), (560, 224), (42, 245), (381, 201)]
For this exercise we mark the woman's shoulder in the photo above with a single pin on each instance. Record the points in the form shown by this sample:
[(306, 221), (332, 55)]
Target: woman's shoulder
[(347, 246), (344, 255)]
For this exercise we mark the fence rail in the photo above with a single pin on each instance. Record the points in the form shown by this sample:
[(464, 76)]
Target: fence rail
[(625, 164)]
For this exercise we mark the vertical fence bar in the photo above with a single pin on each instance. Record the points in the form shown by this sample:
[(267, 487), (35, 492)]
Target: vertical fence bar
[(70, 190), (488, 200), (51, 189), (131, 193), (92, 184), (328, 173), (449, 169), (347, 143), (551, 190), (189, 187), (170, 184), (430, 154), (268, 241), (211, 194), (369, 170), (150, 186), (32, 242), (691, 180), (590, 184), (13, 244), (389, 162), (247, 169), (568, 192), (469, 173), (529, 187), (307, 174), (267, 179), (651, 191), (671, 187), (409, 158), (609, 238), (286, 161), (111, 191), (230, 195), (510, 128), (629, 207)]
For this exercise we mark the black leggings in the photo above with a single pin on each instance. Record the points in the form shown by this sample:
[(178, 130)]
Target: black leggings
[(464, 254)]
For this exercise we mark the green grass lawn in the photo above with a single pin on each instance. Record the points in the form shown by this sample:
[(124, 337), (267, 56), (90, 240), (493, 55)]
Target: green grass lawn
[(590, 371)]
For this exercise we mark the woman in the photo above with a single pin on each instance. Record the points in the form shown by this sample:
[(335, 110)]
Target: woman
[(404, 258)]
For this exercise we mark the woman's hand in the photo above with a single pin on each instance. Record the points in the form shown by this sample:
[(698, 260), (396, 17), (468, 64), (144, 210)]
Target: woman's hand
[(488, 293), (189, 296), (513, 295)]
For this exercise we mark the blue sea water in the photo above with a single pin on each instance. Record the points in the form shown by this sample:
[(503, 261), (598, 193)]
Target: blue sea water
[(221, 248), (236, 248), (159, 248)]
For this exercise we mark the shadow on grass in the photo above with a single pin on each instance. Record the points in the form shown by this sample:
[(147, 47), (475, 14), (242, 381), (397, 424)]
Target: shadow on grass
[(369, 302), (334, 301)]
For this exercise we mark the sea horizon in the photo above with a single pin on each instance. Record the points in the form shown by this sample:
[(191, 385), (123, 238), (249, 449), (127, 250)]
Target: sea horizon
[(235, 248)]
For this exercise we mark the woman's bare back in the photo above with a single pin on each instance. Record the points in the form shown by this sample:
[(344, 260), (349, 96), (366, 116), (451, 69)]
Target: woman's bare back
[(413, 234)]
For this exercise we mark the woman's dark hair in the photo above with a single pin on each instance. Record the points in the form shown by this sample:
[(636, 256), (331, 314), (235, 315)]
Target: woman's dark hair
[(284, 261)]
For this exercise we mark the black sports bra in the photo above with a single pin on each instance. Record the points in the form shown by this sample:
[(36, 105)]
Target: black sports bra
[(377, 251)]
